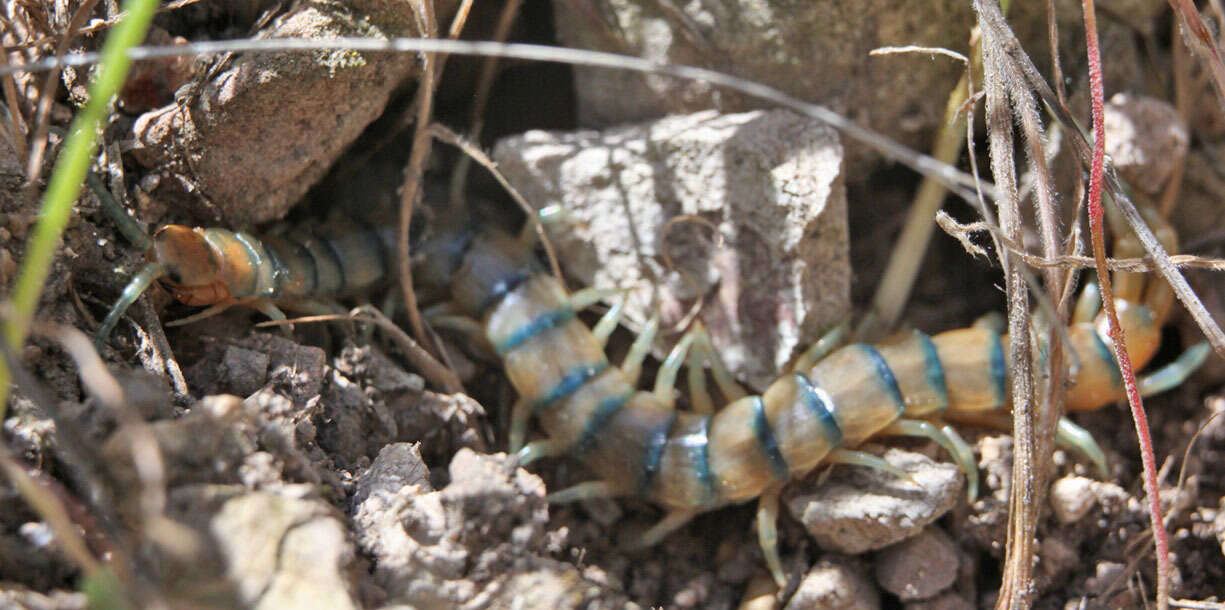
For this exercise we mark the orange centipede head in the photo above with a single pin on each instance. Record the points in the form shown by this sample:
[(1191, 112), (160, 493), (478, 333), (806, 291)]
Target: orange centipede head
[(193, 268)]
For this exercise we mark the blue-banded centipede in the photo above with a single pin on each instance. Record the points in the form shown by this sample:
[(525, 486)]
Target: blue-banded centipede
[(637, 442)]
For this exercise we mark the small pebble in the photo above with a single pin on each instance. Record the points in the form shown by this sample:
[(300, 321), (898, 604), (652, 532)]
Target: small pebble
[(835, 583), (1072, 498)]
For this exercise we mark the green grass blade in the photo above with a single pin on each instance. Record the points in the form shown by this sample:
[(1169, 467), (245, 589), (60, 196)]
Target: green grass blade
[(69, 174)]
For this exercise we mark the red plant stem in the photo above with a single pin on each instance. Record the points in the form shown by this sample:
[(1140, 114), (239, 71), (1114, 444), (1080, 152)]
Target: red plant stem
[(1116, 331)]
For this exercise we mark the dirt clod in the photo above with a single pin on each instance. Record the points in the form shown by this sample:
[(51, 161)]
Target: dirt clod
[(919, 567)]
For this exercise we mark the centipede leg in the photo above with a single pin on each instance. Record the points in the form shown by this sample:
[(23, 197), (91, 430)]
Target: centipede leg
[(670, 523), (208, 312), (1073, 437), (632, 365), (1174, 373), (946, 437), (665, 379), (859, 458), (519, 414), (993, 322), (1087, 304), (591, 490), (732, 391), (609, 321), (699, 394), (767, 533), (587, 297), (536, 450), (274, 313), (822, 347)]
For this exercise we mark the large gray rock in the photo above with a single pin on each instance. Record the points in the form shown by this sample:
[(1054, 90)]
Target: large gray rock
[(770, 182)]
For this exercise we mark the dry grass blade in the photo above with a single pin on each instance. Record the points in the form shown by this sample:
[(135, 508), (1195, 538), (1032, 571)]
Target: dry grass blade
[(414, 172), (1199, 37), (1112, 185), (1016, 590), (958, 182)]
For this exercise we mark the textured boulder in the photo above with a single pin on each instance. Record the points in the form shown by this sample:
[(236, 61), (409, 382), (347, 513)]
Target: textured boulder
[(769, 183)]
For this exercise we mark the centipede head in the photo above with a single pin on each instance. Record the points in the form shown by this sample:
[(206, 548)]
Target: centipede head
[(193, 269)]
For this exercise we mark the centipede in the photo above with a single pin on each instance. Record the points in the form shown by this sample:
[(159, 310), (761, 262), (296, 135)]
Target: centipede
[(637, 442), (834, 397)]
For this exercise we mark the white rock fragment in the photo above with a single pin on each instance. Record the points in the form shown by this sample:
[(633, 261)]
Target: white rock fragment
[(1072, 498)]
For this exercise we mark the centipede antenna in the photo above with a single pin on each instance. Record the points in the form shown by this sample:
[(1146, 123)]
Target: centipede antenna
[(1088, 304), (1072, 436), (1174, 373), (665, 380), (632, 366), (136, 287), (767, 534), (118, 214)]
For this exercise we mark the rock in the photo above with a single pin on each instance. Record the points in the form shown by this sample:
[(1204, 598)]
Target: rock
[(1146, 139), (919, 567), (815, 51), (257, 134), (862, 509), (207, 445), (1072, 498), (475, 543), (17, 596), (835, 583), (286, 553), (770, 183), (945, 601), (231, 547), (398, 466), (245, 369), (1218, 526)]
